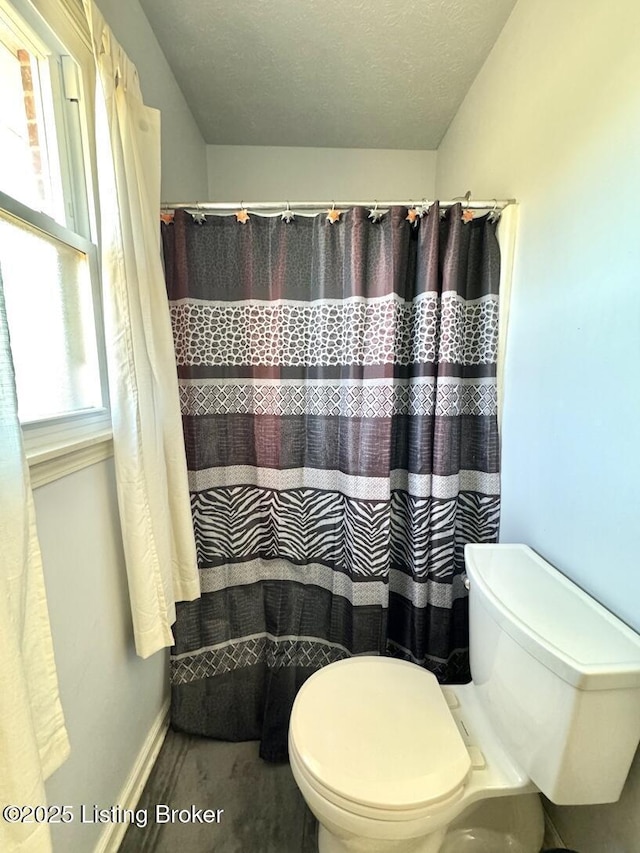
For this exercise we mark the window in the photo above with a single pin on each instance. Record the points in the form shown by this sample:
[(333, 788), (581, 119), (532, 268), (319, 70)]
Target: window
[(48, 262)]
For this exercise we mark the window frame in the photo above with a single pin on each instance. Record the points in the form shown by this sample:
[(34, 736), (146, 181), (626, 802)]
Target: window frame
[(59, 445)]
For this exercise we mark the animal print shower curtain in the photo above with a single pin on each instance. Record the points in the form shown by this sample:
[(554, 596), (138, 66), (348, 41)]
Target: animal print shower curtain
[(338, 392)]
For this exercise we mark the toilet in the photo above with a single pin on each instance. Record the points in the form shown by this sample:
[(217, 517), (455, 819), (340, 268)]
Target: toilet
[(389, 761)]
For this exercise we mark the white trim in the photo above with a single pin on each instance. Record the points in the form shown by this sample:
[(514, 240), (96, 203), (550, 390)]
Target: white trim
[(64, 15), (21, 31), (47, 465), (113, 833)]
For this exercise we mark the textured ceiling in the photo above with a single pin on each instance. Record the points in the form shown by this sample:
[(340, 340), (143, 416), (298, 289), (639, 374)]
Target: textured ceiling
[(326, 73)]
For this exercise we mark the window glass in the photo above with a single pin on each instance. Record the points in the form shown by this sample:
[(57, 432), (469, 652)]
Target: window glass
[(49, 304), (29, 161)]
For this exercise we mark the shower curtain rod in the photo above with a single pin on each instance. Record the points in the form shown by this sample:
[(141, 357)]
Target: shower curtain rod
[(497, 204)]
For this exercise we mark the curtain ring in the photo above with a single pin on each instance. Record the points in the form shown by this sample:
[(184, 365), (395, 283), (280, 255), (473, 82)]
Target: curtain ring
[(288, 215), (494, 213)]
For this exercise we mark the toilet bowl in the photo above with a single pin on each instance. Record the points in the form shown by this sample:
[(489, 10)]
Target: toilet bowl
[(389, 761), (395, 760)]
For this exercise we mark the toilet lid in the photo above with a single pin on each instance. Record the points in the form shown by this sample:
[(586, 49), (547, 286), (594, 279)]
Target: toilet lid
[(378, 731)]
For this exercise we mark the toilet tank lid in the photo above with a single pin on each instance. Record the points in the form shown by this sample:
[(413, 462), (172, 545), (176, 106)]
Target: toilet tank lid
[(556, 621)]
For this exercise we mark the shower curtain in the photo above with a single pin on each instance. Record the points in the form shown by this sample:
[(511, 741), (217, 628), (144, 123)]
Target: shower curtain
[(338, 391)]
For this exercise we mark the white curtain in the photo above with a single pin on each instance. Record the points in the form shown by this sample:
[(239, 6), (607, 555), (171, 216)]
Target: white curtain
[(151, 472), (33, 738)]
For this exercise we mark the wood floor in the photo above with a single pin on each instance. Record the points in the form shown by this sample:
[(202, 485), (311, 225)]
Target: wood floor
[(263, 810)]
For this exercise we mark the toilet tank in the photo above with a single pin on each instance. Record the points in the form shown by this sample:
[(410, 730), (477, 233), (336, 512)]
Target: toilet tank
[(557, 674)]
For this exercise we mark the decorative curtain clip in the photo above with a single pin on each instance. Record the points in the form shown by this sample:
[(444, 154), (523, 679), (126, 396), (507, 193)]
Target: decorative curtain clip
[(425, 207), (375, 215), (413, 214), (287, 215), (333, 215), (467, 213), (199, 217), (242, 215), (166, 216)]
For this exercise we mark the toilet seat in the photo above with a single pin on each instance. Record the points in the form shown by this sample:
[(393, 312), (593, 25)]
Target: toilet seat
[(375, 736), (431, 810)]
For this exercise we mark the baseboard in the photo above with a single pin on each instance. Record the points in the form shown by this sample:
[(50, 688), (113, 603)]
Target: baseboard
[(551, 835), (113, 833)]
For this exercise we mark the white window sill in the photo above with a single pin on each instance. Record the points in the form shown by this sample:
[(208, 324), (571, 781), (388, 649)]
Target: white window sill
[(51, 463)]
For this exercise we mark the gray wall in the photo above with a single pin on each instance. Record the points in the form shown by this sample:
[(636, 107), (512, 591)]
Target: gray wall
[(110, 698), (265, 173), (184, 158), (553, 119)]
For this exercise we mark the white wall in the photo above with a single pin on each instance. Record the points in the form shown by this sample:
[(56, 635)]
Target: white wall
[(553, 119), (110, 697), (184, 161), (262, 173)]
